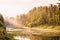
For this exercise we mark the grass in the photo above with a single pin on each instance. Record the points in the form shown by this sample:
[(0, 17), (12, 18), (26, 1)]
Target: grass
[(10, 36), (57, 28), (49, 27)]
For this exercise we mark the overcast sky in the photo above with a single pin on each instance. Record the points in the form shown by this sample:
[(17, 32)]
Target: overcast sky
[(14, 7)]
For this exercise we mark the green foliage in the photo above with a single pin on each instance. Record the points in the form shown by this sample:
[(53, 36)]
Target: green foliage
[(3, 33), (41, 16)]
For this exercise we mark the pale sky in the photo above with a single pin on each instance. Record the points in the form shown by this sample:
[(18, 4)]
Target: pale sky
[(14, 7)]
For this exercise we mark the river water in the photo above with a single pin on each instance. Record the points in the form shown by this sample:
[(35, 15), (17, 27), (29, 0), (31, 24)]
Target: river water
[(21, 34), (17, 37), (20, 38)]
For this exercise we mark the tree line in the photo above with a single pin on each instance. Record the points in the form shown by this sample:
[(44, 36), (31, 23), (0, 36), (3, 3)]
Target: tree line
[(43, 15)]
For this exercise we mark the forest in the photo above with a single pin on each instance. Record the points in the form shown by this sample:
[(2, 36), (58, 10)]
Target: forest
[(43, 15)]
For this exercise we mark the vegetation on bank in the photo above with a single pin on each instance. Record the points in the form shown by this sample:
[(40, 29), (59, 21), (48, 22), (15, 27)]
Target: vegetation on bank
[(43, 15), (3, 33)]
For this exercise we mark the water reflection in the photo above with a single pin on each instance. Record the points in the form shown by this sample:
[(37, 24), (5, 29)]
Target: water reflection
[(20, 34), (45, 38), (37, 37), (20, 38)]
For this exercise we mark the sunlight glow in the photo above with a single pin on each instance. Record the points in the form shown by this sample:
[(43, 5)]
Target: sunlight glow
[(15, 7)]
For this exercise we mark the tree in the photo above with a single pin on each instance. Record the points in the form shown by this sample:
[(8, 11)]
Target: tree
[(3, 34), (43, 15)]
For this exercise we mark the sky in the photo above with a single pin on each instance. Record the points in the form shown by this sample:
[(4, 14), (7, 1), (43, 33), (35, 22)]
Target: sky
[(11, 8)]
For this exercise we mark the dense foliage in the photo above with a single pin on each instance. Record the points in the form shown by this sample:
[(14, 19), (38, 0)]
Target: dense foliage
[(3, 33), (43, 15)]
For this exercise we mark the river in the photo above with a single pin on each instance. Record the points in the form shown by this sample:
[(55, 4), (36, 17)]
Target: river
[(17, 37), (23, 34)]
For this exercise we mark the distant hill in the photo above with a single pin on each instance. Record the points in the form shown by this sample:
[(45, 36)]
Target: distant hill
[(8, 24)]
